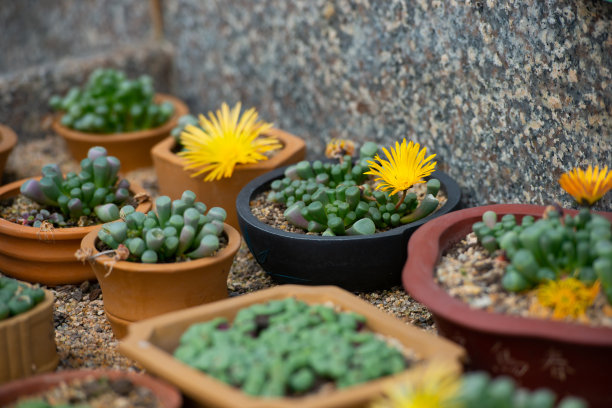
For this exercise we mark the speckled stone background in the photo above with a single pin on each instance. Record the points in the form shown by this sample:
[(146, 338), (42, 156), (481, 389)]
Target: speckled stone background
[(509, 94)]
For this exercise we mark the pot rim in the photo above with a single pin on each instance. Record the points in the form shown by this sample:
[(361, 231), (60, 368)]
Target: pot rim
[(167, 394), (417, 278), (8, 138), (233, 244), (243, 210), (103, 138), (291, 145), (59, 234)]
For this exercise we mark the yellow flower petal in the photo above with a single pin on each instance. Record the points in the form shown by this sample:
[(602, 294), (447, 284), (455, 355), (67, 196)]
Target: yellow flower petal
[(587, 186), (405, 165), (224, 141), (567, 297)]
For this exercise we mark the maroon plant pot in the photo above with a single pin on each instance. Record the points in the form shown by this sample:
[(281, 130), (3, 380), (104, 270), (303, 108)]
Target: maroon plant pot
[(568, 358), (167, 394)]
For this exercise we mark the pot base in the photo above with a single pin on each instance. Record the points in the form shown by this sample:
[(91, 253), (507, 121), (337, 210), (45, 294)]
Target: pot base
[(46, 273), (119, 325)]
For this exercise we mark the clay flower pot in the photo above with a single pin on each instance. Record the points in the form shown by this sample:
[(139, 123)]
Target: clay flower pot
[(356, 263), (167, 395), (134, 291), (564, 357), (28, 343), (45, 257), (153, 341), (8, 140), (173, 180), (131, 148)]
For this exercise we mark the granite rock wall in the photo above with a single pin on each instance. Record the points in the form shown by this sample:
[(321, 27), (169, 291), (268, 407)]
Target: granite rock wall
[(509, 94)]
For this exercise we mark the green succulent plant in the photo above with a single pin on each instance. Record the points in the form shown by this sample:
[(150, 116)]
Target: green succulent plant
[(111, 103), (335, 198), (177, 230), (550, 248), (96, 189), (287, 347), (17, 297)]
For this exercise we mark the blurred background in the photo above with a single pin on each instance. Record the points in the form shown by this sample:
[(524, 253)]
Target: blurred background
[(509, 94)]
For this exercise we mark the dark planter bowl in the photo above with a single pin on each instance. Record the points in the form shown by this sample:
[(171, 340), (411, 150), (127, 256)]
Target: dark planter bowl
[(356, 263), (568, 358)]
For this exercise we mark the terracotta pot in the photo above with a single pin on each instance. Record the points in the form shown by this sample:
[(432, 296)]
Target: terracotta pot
[(134, 291), (8, 140), (131, 148), (153, 341), (356, 263), (28, 342), (45, 257), (565, 357), (167, 395), (172, 180)]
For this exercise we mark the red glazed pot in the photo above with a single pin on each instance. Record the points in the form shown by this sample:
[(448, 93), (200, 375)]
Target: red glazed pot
[(570, 359), (168, 395)]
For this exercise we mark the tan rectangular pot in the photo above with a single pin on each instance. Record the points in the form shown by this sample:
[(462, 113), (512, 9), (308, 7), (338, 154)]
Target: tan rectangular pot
[(8, 140), (134, 291), (27, 342), (152, 342), (46, 257), (131, 148), (172, 180)]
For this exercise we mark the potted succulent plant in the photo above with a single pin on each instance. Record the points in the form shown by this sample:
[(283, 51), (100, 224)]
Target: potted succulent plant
[(26, 330), (174, 257), (84, 387), (358, 231), (440, 387), (125, 116), (230, 148), (368, 349), (8, 140), (44, 219), (559, 263)]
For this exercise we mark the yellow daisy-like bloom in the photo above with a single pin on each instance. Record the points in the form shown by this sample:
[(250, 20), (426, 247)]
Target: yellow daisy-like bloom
[(338, 148), (226, 140), (405, 166), (587, 186), (567, 297), (436, 388)]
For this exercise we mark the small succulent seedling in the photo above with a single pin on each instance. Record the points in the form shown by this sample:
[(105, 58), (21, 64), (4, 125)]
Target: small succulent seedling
[(17, 297), (339, 199), (289, 348), (95, 190), (111, 103), (177, 230)]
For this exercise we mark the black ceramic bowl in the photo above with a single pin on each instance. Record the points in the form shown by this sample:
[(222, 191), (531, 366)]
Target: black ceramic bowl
[(355, 263)]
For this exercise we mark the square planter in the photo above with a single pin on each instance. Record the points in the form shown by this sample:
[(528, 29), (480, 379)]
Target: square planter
[(27, 342), (172, 180), (152, 342)]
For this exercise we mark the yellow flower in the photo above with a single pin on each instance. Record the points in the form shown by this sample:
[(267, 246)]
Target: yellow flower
[(587, 186), (405, 166), (436, 388), (337, 148), (224, 141), (567, 297)]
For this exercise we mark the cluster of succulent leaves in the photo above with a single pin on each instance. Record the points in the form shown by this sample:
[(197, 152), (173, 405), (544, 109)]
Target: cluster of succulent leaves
[(288, 348), (336, 198), (177, 230), (550, 248), (40, 403), (478, 390), (112, 103), (95, 190), (17, 297), (183, 122)]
